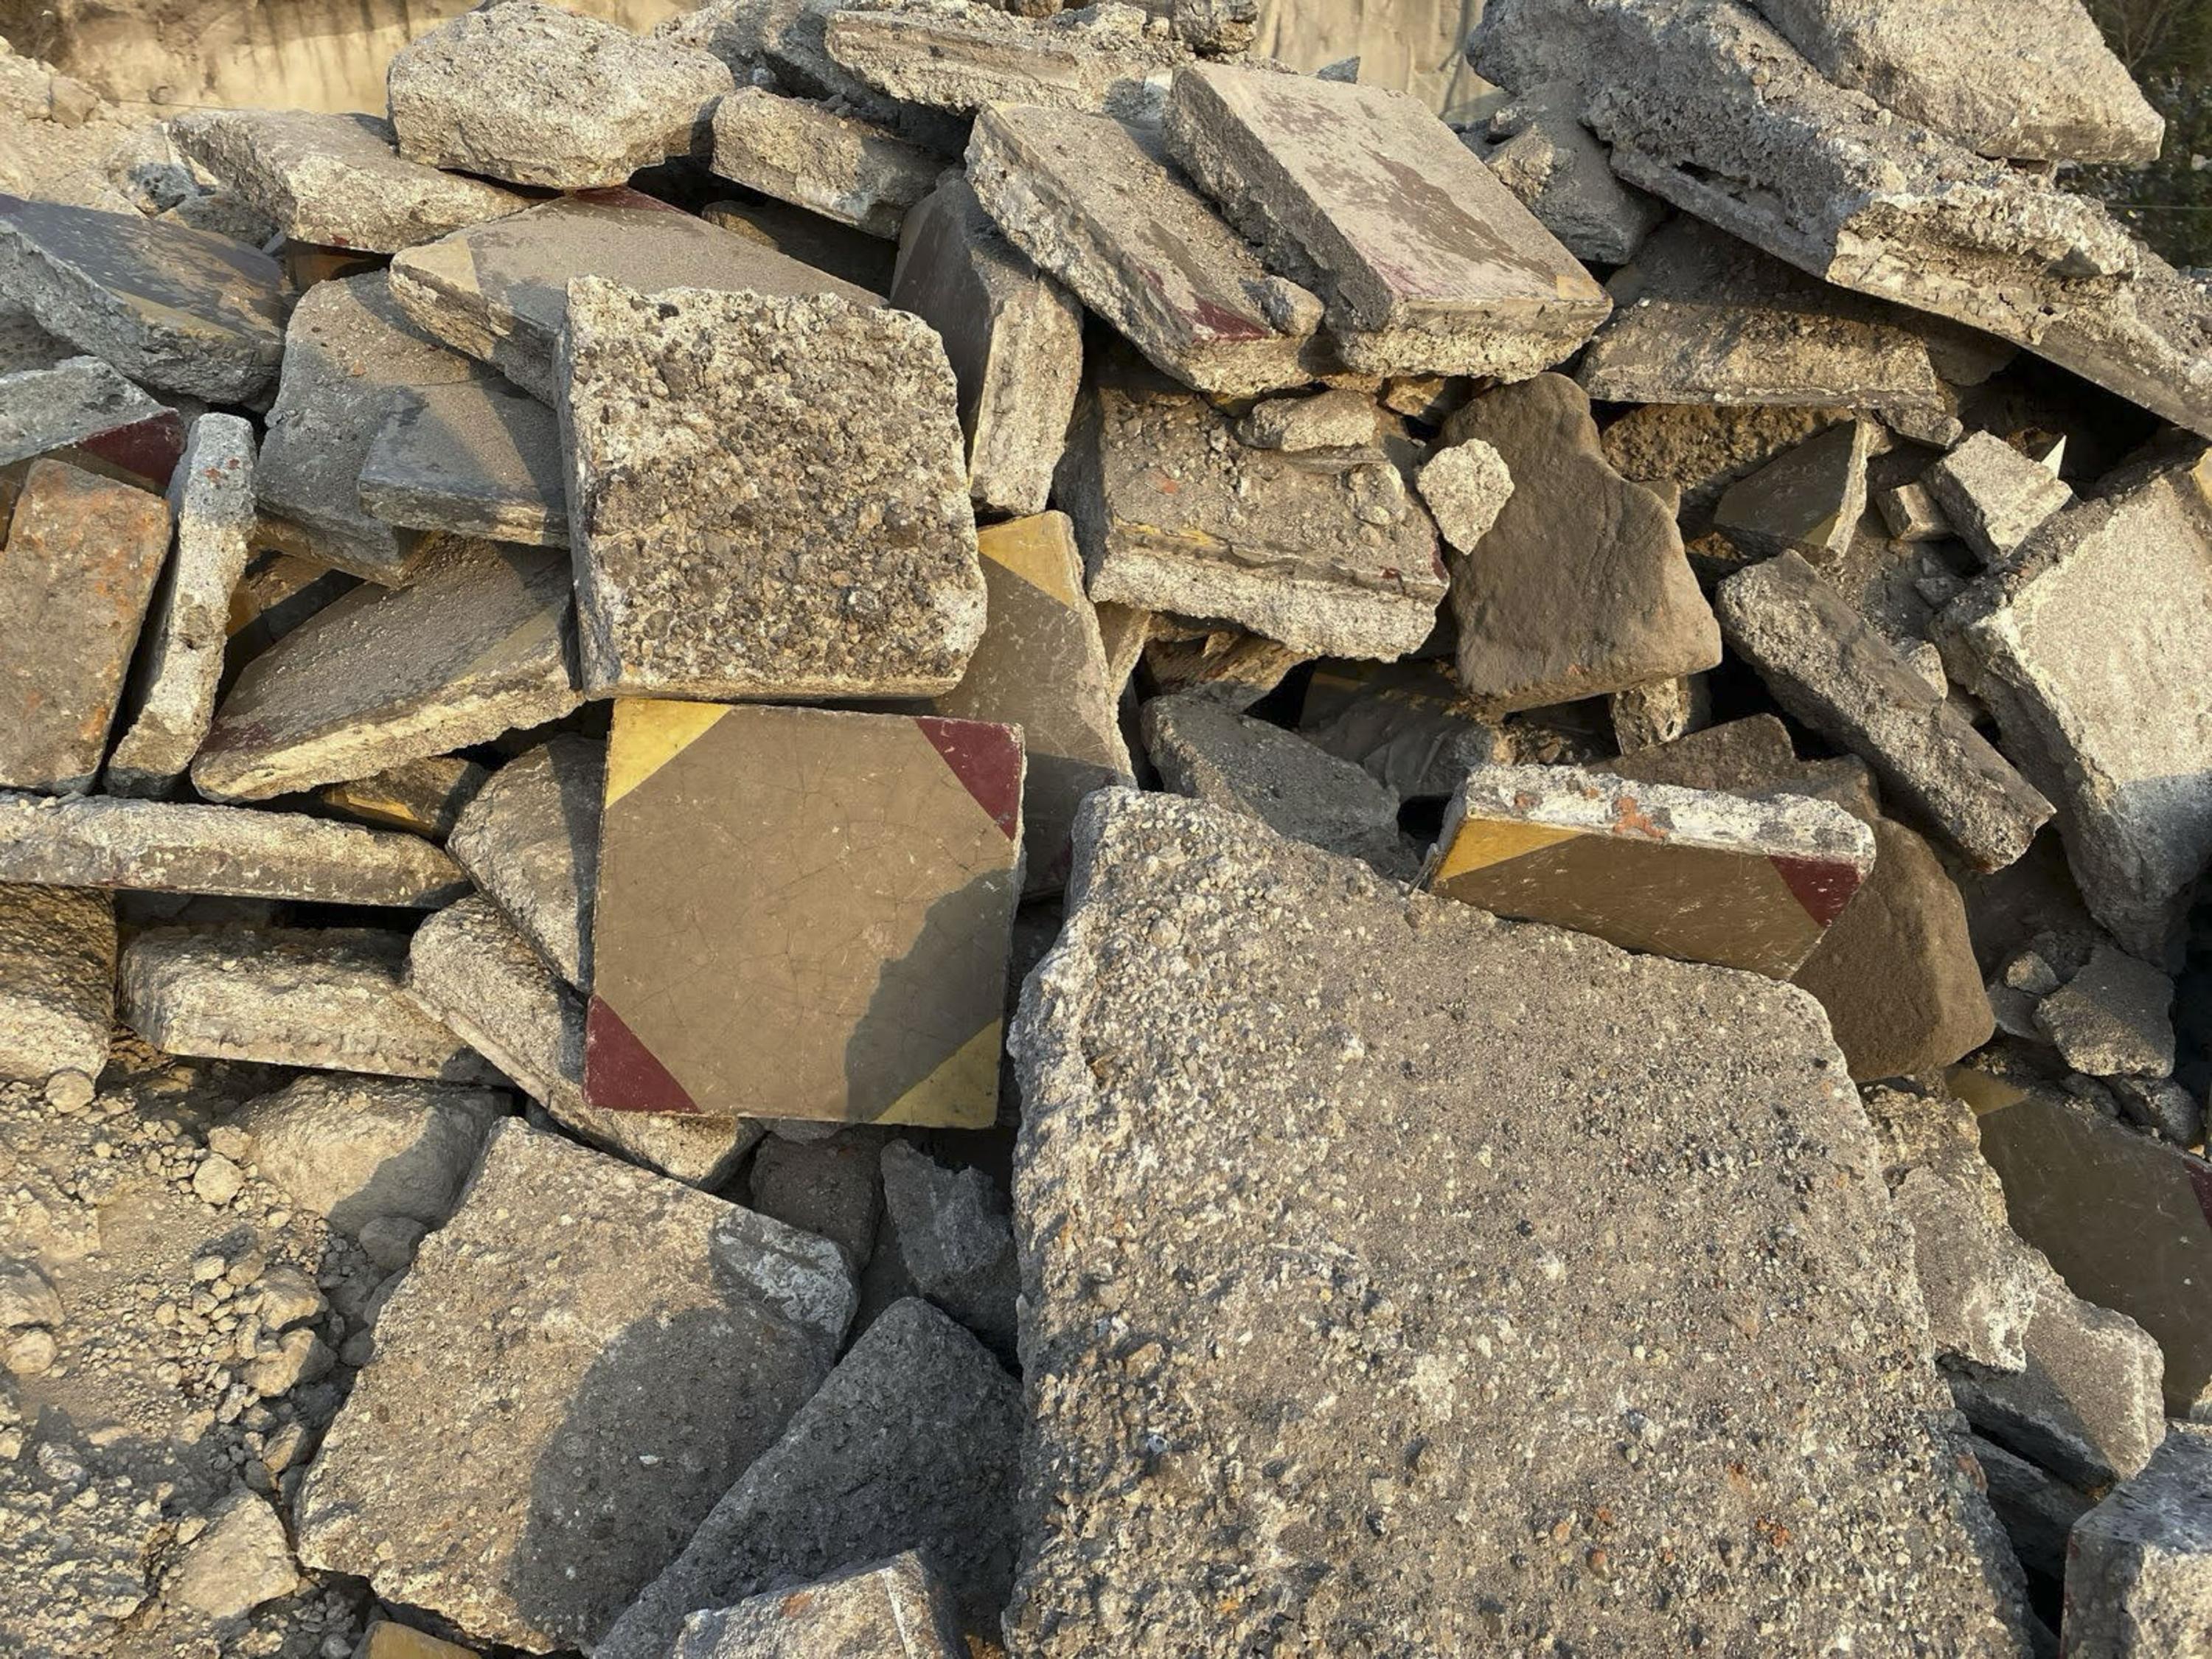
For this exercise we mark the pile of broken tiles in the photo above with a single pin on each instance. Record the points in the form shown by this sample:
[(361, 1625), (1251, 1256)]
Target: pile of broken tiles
[(1140, 859)]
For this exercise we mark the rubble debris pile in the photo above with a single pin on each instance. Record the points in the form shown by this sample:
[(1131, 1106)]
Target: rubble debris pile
[(894, 828)]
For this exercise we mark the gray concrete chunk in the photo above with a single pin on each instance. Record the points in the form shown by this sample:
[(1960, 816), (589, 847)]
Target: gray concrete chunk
[(1100, 59), (1341, 419), (82, 557), (2139, 1565), (954, 1241), (895, 1611), (1429, 265), (470, 971), (180, 661), (1541, 152), (601, 1381), (1581, 585), (57, 980), (335, 180), (535, 95), (734, 541), (2112, 1019), (1829, 669), (1095, 204), (476, 457), (1014, 335), (356, 1150), (1807, 500), (1329, 556), (1912, 513), (1702, 317), (2086, 653), (78, 398), (1408, 724), (1426, 1376), (1995, 497), (166, 847), (500, 291), (530, 839), (812, 157), (1706, 106), (327, 999), (478, 645), (911, 1445), (827, 1188), (180, 310), (1213, 754), (350, 357), (2037, 1508), (2031, 79)]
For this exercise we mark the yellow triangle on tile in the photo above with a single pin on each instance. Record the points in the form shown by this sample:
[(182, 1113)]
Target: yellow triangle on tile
[(1482, 842), (648, 734), (962, 1093), (1039, 550)]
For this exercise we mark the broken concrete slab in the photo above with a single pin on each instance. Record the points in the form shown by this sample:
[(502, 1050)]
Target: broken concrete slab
[(423, 797), (883, 968), (177, 309), (1408, 724), (535, 94), (912, 1443), (1209, 752), (1466, 486), (350, 356), (1646, 716), (1226, 666), (810, 155), (2085, 1403), (470, 969), (733, 542), (1581, 586), (1095, 204), (82, 555), (499, 292), (1828, 668), (2032, 82), (1706, 106), (354, 1149), (80, 403), (1339, 419), (827, 1188), (2139, 1565), (670, 1338), (57, 980), (1994, 497), (530, 839), (1101, 59), (324, 999), (335, 180), (475, 458), (167, 847), (1428, 264), (954, 1241), (1541, 152), (478, 645), (1014, 338), (1042, 666), (2117, 1212), (2112, 1019), (1702, 317), (1979, 1284), (1807, 500), (187, 627), (1298, 1234), (1329, 556), (2084, 651), (895, 1611), (1689, 873)]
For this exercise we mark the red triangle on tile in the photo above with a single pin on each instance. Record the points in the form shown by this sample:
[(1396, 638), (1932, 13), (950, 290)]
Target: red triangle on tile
[(987, 761), (1823, 886), (621, 1074)]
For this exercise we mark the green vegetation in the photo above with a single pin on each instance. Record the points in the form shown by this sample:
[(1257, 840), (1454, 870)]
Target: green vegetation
[(2167, 45)]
